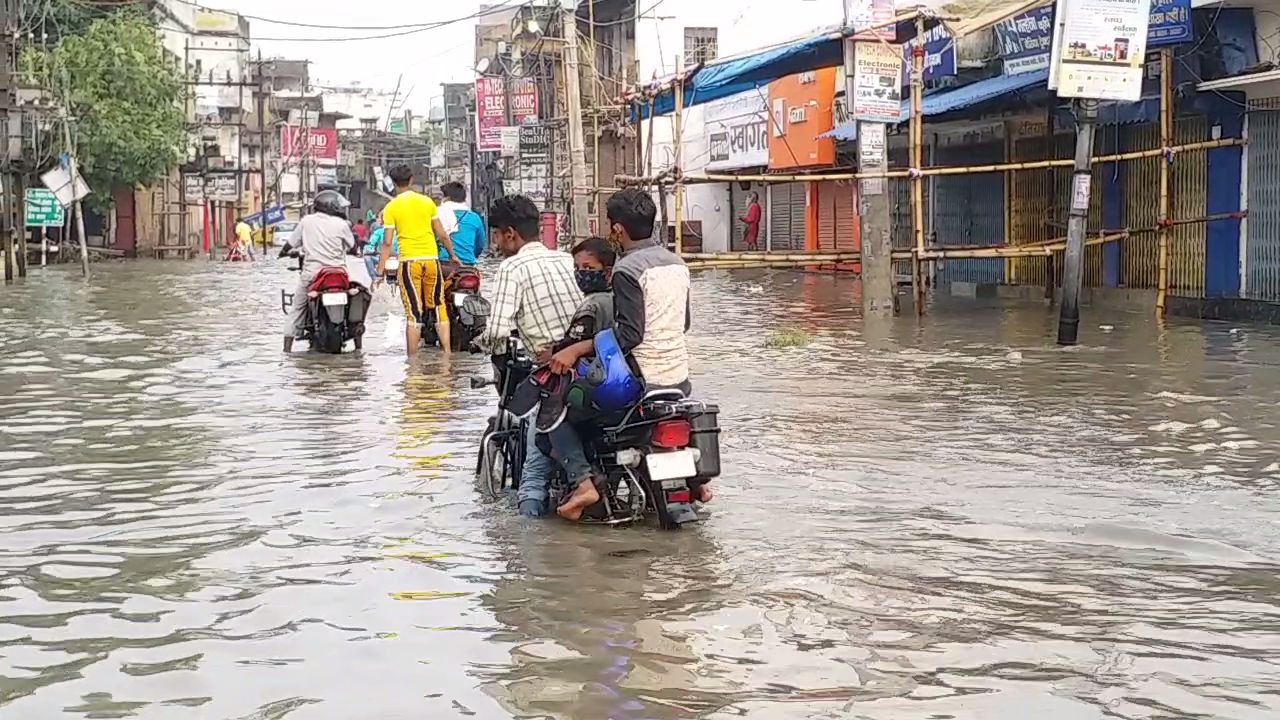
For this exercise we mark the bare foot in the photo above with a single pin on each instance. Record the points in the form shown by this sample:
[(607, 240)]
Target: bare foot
[(704, 493), (583, 497)]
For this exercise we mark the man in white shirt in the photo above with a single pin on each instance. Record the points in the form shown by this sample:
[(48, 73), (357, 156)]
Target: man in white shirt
[(535, 292)]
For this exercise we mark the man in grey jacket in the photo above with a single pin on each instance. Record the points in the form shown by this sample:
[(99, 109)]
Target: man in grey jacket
[(650, 313)]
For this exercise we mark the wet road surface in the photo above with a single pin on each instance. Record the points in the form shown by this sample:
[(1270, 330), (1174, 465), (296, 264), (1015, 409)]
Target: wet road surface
[(947, 520)]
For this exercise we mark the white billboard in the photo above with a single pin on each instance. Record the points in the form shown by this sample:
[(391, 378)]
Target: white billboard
[(737, 130)]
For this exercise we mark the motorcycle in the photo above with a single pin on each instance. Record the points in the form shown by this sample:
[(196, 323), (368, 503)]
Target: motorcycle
[(335, 310), (468, 311), (652, 456)]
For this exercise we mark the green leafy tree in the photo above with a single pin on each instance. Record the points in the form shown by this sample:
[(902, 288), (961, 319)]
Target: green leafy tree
[(126, 100)]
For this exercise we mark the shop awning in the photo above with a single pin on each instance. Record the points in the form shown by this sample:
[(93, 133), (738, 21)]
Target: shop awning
[(822, 49), (947, 101)]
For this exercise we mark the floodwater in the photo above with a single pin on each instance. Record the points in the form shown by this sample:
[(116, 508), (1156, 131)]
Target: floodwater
[(947, 519)]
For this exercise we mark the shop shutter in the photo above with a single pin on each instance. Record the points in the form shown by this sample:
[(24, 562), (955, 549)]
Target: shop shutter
[(845, 232), (827, 222), (970, 211), (799, 217), (779, 216), (1262, 256)]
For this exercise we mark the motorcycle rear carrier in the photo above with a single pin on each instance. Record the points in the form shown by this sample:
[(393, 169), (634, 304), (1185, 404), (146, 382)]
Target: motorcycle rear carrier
[(705, 437)]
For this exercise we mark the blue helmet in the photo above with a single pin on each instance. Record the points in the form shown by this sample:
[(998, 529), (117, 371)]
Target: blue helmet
[(605, 383)]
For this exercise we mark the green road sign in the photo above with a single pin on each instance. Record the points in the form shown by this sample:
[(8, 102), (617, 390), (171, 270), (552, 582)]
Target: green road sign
[(43, 209)]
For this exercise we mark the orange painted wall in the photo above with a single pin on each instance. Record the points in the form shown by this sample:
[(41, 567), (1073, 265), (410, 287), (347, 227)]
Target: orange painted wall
[(796, 144)]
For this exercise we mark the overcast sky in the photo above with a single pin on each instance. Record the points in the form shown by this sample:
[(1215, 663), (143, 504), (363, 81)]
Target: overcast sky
[(444, 54)]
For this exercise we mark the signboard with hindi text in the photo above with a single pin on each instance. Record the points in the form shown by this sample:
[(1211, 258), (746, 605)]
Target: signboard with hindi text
[(1102, 49), (43, 209)]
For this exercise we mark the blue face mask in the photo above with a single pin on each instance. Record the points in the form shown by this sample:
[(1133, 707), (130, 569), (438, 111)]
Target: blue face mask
[(592, 281)]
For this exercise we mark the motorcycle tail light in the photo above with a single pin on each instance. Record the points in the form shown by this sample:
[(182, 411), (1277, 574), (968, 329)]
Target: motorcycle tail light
[(469, 283), (671, 434), (679, 496)]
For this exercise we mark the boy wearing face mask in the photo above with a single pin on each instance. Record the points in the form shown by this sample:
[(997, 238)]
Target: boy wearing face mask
[(593, 261)]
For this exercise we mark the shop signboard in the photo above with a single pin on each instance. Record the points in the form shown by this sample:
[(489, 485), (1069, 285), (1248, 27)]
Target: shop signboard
[(737, 130)]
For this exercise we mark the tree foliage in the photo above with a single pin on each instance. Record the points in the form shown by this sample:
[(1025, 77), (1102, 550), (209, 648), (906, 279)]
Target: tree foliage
[(126, 99)]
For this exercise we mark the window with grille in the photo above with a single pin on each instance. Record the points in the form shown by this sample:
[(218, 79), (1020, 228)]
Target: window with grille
[(701, 45)]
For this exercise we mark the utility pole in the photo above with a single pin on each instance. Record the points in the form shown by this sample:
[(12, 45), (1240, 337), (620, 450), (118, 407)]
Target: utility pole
[(262, 153), (879, 291), (1077, 222), (573, 97), (75, 181)]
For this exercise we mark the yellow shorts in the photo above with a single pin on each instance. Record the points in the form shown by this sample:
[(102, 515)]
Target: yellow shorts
[(422, 290)]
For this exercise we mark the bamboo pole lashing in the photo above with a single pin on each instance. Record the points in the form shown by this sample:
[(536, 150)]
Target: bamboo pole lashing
[(1166, 141), (917, 163), (955, 170)]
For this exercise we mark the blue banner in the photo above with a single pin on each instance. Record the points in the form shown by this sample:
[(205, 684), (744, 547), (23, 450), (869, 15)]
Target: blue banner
[(1170, 22), (939, 54), (1025, 41), (275, 214)]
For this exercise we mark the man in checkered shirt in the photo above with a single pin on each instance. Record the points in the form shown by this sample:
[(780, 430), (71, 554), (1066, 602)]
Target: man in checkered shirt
[(536, 293)]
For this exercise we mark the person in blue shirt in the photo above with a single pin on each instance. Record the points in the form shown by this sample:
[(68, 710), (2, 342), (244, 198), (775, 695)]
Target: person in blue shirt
[(464, 225), (373, 248)]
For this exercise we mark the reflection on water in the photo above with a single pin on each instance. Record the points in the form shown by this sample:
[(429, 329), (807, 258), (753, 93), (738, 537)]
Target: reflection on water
[(948, 519)]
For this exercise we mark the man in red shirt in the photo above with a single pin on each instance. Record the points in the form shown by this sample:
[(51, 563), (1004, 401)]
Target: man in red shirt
[(361, 232), (752, 219)]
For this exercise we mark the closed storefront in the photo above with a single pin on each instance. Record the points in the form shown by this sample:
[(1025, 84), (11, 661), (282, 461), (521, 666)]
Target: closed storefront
[(1262, 259), (969, 210), (836, 219), (788, 214)]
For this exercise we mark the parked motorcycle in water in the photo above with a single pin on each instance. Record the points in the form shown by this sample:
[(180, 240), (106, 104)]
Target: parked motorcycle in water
[(653, 456), (335, 311), (468, 311)]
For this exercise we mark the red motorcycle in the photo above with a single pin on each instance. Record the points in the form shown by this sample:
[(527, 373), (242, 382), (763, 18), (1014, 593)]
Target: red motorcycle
[(336, 309)]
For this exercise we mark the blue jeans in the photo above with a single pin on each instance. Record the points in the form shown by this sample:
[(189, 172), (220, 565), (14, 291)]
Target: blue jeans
[(371, 262), (535, 477), (568, 449)]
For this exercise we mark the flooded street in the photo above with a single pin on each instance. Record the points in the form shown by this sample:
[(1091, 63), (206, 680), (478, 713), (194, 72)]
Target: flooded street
[(947, 519)]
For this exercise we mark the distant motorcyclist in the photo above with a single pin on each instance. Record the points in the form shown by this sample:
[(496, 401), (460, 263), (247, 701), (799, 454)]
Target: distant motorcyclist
[(324, 238)]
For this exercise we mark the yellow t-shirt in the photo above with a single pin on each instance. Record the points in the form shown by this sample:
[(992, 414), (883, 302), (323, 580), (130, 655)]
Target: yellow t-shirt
[(411, 213), (244, 233)]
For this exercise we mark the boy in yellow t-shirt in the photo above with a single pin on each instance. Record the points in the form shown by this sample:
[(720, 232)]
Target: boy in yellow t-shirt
[(413, 219)]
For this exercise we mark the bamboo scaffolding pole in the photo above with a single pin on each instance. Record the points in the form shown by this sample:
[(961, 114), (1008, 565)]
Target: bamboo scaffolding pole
[(917, 162), (936, 171), (678, 119), (797, 257), (648, 150), (1166, 140)]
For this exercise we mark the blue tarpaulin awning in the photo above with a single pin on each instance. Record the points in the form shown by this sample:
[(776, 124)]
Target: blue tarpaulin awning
[(948, 101), (731, 77)]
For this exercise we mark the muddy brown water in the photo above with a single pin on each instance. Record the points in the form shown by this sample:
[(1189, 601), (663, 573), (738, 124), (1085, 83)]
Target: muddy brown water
[(947, 519)]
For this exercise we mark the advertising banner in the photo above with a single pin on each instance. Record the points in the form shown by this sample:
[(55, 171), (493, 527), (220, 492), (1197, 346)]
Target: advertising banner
[(491, 113), (738, 131), (877, 81), (322, 145), (524, 101), (870, 17), (1104, 48), (1025, 41)]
